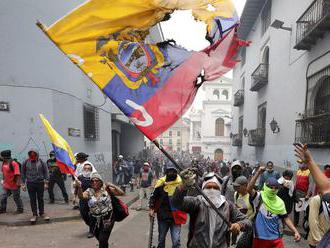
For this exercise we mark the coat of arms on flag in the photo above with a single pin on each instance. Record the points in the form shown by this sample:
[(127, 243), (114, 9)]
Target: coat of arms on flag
[(152, 84)]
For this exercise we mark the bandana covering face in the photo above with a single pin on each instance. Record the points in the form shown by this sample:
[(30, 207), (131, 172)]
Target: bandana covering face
[(212, 180), (272, 202), (215, 196)]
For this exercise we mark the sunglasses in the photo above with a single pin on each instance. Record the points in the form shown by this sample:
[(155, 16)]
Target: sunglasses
[(95, 180)]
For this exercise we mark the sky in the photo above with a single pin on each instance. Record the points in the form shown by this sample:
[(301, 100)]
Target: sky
[(191, 35), (186, 31)]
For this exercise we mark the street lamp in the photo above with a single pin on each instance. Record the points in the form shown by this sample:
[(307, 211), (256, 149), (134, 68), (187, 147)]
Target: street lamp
[(277, 24), (274, 126)]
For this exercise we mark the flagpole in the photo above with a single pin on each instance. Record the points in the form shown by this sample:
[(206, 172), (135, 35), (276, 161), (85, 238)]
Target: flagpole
[(200, 191)]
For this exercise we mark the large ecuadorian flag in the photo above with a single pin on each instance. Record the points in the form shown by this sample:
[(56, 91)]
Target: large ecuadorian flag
[(152, 84), (63, 152)]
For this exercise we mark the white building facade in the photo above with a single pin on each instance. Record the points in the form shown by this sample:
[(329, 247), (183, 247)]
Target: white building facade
[(211, 126), (282, 85)]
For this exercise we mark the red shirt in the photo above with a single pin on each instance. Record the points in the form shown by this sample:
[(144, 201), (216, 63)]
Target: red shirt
[(9, 175)]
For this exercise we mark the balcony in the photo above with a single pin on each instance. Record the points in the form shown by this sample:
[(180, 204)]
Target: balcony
[(239, 98), (237, 139), (257, 137), (259, 77), (313, 24), (314, 130)]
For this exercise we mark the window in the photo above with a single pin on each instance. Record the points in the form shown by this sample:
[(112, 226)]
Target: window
[(266, 16), (219, 127), (170, 133), (322, 97), (178, 142), (262, 115), (225, 94), (91, 122), (179, 133), (170, 141), (161, 141), (216, 94)]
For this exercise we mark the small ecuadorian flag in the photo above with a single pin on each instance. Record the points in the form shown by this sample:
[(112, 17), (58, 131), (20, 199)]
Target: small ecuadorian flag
[(63, 152)]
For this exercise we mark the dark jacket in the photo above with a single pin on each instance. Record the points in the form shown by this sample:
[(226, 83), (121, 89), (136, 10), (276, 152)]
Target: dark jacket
[(34, 171), (199, 226), (160, 202)]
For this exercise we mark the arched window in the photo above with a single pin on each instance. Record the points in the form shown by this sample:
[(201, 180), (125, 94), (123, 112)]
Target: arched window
[(216, 94), (219, 127), (322, 97), (225, 94)]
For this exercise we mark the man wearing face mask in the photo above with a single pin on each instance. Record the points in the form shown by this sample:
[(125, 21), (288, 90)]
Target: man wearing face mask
[(81, 159), (144, 182), (85, 181), (169, 218), (227, 188), (206, 228), (55, 177), (270, 212), (35, 179)]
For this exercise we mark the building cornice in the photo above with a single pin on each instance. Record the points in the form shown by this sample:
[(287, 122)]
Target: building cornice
[(249, 16)]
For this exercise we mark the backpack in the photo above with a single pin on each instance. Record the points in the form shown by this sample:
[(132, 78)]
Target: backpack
[(305, 220), (120, 209), (250, 200)]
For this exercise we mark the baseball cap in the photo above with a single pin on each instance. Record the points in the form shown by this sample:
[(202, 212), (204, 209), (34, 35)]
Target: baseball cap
[(272, 182), (242, 180)]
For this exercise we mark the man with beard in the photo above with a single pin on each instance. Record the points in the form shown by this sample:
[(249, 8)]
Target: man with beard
[(167, 215), (227, 188), (206, 228)]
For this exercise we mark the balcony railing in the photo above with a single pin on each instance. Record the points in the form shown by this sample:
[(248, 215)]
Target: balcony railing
[(312, 25), (239, 98), (314, 130), (259, 77), (237, 139), (257, 137)]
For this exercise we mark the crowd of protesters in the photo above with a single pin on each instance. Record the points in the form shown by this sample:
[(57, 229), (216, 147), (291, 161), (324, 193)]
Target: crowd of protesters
[(257, 202)]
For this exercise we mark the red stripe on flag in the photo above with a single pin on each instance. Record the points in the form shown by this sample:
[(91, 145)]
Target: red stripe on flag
[(169, 103)]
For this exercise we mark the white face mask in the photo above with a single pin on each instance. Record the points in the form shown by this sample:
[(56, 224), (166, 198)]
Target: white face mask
[(215, 196), (86, 173)]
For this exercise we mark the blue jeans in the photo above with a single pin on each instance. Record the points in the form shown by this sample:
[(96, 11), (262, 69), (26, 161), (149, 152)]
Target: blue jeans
[(16, 195), (163, 227)]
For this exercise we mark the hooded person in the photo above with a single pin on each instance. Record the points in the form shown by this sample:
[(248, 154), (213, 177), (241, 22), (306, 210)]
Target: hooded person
[(98, 197), (270, 212), (35, 177), (85, 179), (168, 217), (227, 188), (82, 160), (206, 228)]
